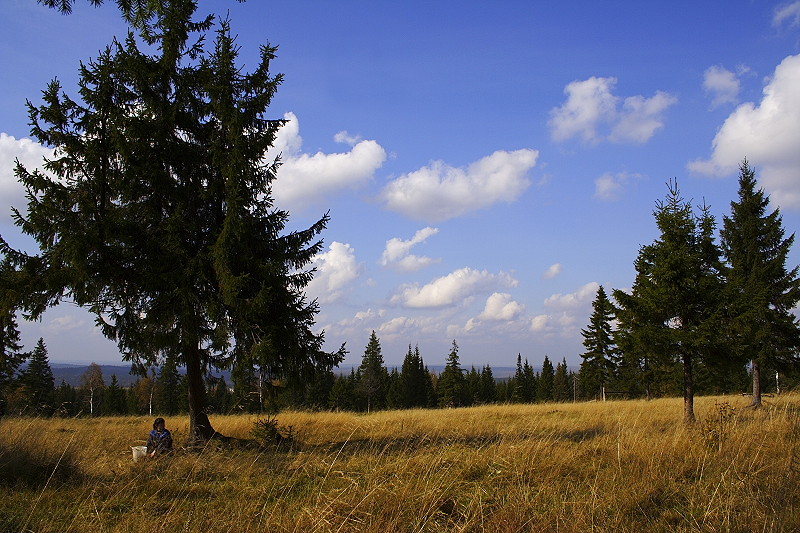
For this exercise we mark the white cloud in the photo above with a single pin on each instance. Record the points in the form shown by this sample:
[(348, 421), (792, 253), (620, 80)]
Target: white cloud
[(580, 297), (398, 254), (641, 117), (336, 269), (553, 271), (501, 306), (568, 310), (397, 325), (564, 324), (766, 134), (370, 314), (594, 113), (404, 327), (790, 12), (346, 138), (440, 192), (452, 289), (64, 323), (722, 84), (30, 154), (608, 187), (305, 178), (540, 322), (589, 103)]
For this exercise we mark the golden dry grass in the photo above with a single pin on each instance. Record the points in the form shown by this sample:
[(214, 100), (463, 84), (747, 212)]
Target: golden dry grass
[(614, 466)]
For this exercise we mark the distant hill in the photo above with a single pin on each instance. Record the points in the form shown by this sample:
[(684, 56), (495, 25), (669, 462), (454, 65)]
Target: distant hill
[(71, 373)]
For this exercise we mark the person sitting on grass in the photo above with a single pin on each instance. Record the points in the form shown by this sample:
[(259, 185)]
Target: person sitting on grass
[(160, 440)]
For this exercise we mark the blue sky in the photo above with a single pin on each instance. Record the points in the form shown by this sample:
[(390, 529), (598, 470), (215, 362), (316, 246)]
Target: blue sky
[(486, 165)]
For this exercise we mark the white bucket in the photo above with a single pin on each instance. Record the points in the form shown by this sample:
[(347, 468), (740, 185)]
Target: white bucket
[(139, 452)]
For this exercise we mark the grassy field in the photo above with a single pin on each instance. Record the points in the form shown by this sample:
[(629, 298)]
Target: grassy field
[(614, 466)]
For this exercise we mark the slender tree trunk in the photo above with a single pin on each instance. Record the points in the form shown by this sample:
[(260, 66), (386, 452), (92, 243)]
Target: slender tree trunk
[(756, 403), (200, 429), (688, 390)]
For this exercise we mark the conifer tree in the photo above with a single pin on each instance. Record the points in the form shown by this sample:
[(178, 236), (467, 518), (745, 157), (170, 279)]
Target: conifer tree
[(114, 398), (167, 387), (561, 389), (245, 389), (452, 383), (373, 375), (342, 392), (601, 357), (221, 399), (675, 309), (762, 292), (488, 385), (37, 381), (393, 396), (11, 354), (544, 390), (66, 400), (519, 392), (531, 381), (473, 387), (414, 381), (318, 390), (156, 211)]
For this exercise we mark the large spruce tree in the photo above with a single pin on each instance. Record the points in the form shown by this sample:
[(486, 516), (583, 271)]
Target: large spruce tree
[(674, 311), (601, 357), (156, 213), (762, 292), (11, 354)]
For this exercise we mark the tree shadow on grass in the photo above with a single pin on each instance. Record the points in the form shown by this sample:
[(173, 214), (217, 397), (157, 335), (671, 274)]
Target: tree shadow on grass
[(411, 442), (21, 466)]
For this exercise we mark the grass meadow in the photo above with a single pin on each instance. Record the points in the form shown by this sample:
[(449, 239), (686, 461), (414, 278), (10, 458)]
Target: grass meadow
[(618, 466)]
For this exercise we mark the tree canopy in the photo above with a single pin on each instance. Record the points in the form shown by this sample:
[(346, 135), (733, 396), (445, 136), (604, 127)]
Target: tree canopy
[(674, 310), (761, 291), (156, 211), (601, 357)]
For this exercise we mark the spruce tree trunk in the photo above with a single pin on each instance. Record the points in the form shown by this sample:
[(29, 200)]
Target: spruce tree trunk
[(756, 403), (688, 390), (200, 430)]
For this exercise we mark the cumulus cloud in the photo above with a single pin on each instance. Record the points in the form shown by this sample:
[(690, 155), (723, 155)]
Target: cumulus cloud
[(570, 301), (787, 12), (766, 134), (553, 271), (451, 289), (593, 113), (609, 187), (397, 325), (501, 306), (404, 327), (31, 154), (567, 312), (336, 269), (63, 324), (540, 322), (440, 192), (305, 178), (722, 84), (397, 253), (561, 324)]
